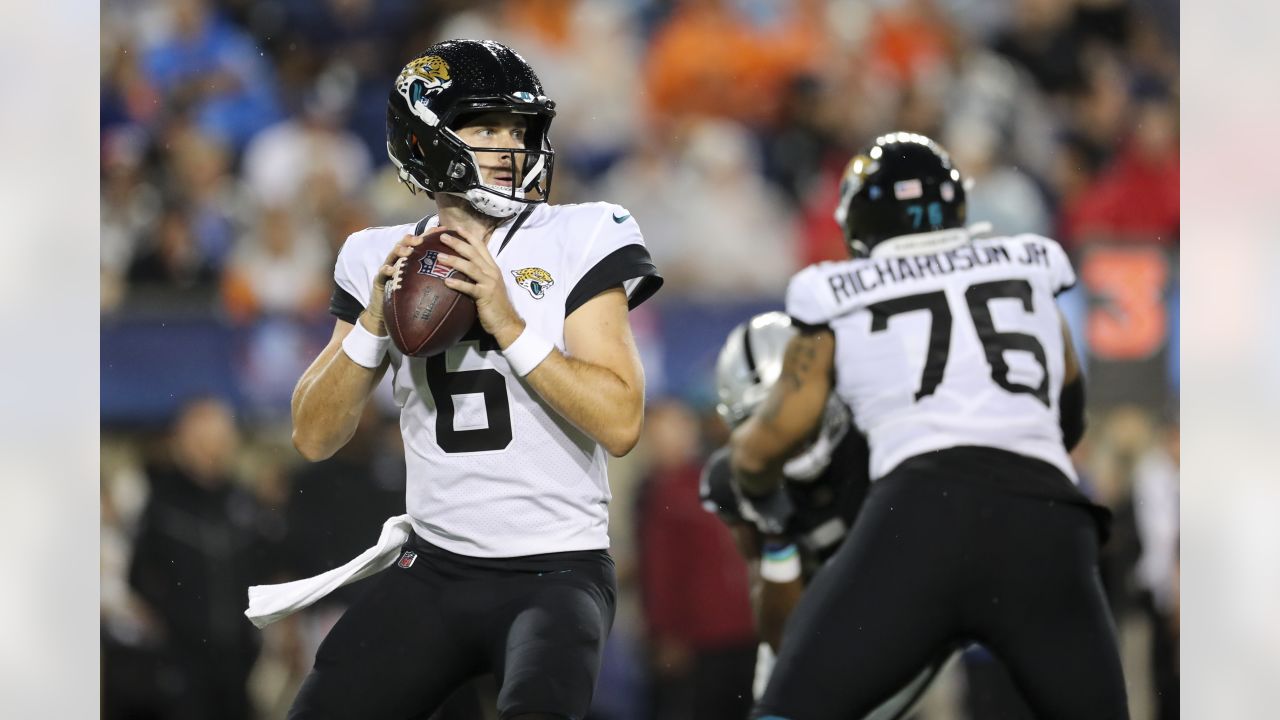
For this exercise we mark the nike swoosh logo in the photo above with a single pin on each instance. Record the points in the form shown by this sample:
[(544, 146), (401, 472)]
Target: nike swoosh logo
[(620, 218)]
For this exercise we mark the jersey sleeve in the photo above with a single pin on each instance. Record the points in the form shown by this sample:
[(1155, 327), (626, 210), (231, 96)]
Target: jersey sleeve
[(349, 275), (616, 255), (804, 303), (358, 261), (1062, 277), (343, 305)]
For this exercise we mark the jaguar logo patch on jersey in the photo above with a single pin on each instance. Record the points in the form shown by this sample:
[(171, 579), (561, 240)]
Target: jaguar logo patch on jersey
[(406, 560), (431, 265), (535, 280)]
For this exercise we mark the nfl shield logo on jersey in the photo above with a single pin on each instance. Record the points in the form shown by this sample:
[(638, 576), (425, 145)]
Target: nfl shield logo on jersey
[(431, 265), (406, 560)]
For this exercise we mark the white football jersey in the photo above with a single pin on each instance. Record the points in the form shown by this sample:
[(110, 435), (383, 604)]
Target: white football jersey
[(960, 347), (493, 471)]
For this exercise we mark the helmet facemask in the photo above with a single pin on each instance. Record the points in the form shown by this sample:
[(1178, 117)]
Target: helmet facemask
[(529, 171), (438, 160)]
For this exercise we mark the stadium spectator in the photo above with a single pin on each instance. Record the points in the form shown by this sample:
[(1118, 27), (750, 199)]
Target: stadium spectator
[(335, 505), (1136, 199), (200, 173), (702, 639), (130, 206), (1002, 195), (1042, 38), (171, 256), (210, 67), (312, 160), (1156, 504), (712, 57), (134, 677), (280, 269), (199, 544), (737, 240), (908, 40)]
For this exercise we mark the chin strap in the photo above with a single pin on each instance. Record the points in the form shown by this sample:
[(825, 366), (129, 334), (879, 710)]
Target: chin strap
[(493, 200)]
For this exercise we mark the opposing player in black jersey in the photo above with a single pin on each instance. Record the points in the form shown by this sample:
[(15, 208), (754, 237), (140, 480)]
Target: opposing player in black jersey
[(953, 358), (825, 485)]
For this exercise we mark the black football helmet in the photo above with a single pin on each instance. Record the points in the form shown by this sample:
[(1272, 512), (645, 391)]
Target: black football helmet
[(902, 188), (449, 82)]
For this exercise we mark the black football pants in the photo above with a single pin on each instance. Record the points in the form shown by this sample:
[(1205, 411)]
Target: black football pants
[(943, 553), (538, 623)]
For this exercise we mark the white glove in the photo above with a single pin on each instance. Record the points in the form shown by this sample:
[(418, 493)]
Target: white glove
[(811, 463)]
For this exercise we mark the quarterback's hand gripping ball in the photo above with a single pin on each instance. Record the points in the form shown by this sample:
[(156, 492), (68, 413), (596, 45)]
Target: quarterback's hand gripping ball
[(423, 315)]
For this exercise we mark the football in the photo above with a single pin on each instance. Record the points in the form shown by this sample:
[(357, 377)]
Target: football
[(424, 316)]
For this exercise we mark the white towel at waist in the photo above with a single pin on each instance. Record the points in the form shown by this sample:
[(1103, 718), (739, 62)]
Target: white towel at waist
[(269, 603)]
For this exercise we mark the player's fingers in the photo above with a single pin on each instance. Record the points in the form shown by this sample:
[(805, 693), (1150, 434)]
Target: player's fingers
[(397, 253), (462, 286), (460, 246), (462, 265), (474, 251), (475, 248)]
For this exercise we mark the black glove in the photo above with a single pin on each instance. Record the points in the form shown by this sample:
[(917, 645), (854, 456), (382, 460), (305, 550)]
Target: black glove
[(770, 513)]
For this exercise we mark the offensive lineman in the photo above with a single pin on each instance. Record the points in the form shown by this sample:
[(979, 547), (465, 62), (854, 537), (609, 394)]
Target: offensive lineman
[(825, 485), (951, 354), (505, 434)]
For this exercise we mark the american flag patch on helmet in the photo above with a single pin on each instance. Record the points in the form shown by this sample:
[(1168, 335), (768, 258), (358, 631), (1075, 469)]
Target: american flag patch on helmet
[(908, 189)]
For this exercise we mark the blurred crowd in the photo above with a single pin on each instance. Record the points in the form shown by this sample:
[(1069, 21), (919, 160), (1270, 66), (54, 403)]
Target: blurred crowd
[(243, 141)]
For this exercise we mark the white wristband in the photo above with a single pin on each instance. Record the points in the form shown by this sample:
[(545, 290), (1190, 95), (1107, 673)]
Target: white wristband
[(527, 351), (780, 566), (364, 348)]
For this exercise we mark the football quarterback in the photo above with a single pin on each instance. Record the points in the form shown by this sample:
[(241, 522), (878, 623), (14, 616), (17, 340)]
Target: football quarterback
[(506, 433)]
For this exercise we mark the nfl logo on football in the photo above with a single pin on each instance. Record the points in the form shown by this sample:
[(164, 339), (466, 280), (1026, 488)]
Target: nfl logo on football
[(431, 265), (406, 560)]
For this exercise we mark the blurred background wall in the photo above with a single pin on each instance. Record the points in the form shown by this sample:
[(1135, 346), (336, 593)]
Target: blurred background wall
[(241, 142)]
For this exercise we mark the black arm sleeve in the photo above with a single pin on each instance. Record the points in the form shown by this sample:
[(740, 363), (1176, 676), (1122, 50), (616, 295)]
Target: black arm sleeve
[(1071, 412), (344, 305)]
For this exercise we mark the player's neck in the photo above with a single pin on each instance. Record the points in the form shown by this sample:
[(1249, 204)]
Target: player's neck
[(457, 213)]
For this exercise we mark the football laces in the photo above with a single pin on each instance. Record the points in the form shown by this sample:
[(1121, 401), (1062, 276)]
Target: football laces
[(393, 283)]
